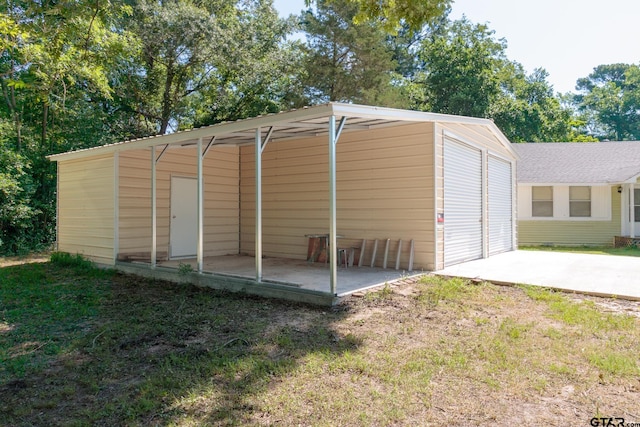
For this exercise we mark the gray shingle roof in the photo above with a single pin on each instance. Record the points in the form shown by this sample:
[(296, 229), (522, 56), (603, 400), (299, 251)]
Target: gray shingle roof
[(578, 163)]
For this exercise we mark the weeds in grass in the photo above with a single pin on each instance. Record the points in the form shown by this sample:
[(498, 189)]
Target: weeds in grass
[(386, 293), (434, 289), (513, 329), (185, 269), (64, 259), (583, 313), (615, 361)]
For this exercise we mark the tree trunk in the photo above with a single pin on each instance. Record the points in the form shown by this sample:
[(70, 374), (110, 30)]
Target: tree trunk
[(10, 97), (166, 100), (45, 116)]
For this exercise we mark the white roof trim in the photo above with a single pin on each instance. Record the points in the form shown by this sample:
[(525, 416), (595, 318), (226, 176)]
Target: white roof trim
[(555, 184), (304, 120)]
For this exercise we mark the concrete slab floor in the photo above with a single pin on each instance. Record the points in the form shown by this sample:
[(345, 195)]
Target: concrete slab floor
[(312, 276), (605, 275)]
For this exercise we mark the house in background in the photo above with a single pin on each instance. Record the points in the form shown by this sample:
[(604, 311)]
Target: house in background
[(572, 194), (238, 200)]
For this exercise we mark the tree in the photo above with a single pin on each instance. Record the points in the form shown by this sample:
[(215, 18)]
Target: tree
[(261, 74), (460, 66), (202, 62), (180, 42), (391, 15), (16, 190), (527, 109), (56, 46), (464, 70), (347, 61), (53, 54), (609, 99)]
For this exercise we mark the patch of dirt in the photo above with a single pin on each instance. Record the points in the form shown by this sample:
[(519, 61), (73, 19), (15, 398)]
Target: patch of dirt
[(612, 305), (25, 259)]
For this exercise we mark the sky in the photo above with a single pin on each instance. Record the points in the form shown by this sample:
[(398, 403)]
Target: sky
[(568, 38)]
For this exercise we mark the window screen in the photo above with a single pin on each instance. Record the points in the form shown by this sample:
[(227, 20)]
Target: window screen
[(636, 207), (580, 201), (542, 201)]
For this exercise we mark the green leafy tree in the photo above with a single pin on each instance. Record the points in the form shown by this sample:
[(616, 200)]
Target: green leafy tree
[(53, 54), (609, 101), (527, 109), (461, 63), (392, 15), (261, 73), (207, 61), (16, 190), (347, 61), (181, 40), (464, 70)]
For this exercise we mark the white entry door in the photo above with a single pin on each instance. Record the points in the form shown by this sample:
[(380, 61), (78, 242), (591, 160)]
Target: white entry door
[(183, 234), (462, 203)]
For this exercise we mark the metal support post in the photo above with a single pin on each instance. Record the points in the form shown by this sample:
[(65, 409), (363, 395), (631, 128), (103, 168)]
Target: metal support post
[(258, 205), (154, 225), (333, 247), (200, 185)]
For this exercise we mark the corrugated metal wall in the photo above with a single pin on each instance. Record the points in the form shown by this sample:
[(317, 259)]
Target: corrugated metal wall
[(384, 190), (500, 206), (85, 208), (462, 203), (480, 137), (221, 222), (571, 233)]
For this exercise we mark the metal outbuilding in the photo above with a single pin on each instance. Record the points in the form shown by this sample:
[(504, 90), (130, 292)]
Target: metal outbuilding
[(432, 189)]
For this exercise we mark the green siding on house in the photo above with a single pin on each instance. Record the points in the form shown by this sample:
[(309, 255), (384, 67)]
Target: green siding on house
[(572, 233)]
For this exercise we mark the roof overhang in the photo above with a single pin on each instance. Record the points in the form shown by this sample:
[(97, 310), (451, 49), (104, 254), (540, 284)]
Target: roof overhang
[(552, 184), (295, 124)]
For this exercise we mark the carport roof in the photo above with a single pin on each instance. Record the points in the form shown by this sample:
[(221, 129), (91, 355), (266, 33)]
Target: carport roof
[(578, 163), (295, 124)]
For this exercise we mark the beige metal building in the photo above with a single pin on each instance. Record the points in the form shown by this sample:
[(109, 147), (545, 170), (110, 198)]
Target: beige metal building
[(408, 190)]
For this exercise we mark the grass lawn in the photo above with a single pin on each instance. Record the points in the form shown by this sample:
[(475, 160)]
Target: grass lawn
[(80, 346), (599, 250)]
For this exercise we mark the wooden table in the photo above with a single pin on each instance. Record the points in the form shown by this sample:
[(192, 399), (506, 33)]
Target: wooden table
[(318, 247)]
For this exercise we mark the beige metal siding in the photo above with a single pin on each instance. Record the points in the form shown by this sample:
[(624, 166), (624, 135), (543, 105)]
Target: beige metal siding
[(478, 134), (221, 177), (572, 233), (384, 190), (86, 208)]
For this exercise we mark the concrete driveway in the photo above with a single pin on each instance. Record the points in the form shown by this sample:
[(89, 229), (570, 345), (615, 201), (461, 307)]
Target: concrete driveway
[(605, 275)]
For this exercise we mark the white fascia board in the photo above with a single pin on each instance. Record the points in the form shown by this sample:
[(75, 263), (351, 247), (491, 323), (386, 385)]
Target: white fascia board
[(631, 180), (384, 113), (204, 132), (307, 113), (565, 184)]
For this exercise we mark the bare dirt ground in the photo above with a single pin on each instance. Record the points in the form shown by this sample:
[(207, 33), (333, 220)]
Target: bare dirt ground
[(25, 259)]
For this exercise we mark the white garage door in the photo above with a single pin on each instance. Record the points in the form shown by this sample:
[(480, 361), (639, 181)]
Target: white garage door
[(462, 203), (500, 207)]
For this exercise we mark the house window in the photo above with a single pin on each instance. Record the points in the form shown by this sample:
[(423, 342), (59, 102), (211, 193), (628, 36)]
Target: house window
[(542, 201), (580, 201), (636, 203)]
